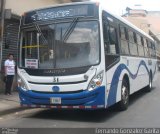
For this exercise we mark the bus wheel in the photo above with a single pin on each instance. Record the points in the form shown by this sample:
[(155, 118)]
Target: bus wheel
[(123, 104), (149, 87)]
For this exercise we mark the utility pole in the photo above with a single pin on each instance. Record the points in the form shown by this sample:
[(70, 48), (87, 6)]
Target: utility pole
[(2, 14)]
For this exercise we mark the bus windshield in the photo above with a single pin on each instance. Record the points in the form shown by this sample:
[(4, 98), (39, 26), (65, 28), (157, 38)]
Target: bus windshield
[(62, 45)]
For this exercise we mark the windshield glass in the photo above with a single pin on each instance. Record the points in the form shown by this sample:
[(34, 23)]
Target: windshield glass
[(63, 45)]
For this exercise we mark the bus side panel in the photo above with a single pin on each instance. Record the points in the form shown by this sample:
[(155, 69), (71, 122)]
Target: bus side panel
[(113, 82), (137, 71), (154, 69)]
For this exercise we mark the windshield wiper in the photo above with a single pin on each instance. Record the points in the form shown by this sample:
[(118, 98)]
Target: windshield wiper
[(39, 31), (70, 29)]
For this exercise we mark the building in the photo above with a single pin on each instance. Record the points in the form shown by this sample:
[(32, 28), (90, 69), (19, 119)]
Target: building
[(148, 21), (10, 12)]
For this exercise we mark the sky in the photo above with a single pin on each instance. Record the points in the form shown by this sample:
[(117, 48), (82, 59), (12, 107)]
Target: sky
[(118, 6)]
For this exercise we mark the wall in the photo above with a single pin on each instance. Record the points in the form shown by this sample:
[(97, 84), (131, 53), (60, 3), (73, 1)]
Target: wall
[(140, 22)]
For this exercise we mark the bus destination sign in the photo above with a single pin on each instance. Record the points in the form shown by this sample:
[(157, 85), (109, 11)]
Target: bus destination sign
[(59, 12)]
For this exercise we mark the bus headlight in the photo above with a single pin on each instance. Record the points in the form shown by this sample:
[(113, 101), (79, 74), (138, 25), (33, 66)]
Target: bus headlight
[(22, 84), (96, 81)]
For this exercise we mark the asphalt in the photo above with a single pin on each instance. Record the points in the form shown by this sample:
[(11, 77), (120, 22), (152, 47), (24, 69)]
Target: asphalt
[(9, 103)]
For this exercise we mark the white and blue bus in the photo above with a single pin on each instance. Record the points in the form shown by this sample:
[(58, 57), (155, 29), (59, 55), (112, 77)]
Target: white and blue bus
[(80, 56)]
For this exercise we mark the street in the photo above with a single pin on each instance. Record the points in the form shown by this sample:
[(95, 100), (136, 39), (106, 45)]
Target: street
[(143, 111)]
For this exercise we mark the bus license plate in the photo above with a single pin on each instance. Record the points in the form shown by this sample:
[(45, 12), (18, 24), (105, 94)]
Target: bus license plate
[(55, 100)]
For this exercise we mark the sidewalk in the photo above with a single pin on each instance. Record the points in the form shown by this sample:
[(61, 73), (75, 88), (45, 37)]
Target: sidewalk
[(9, 103)]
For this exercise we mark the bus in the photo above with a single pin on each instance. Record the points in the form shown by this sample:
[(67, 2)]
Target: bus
[(81, 56)]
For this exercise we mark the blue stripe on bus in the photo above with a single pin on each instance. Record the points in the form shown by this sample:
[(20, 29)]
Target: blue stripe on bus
[(114, 84)]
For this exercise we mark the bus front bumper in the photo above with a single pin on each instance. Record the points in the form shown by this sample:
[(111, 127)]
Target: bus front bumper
[(82, 100)]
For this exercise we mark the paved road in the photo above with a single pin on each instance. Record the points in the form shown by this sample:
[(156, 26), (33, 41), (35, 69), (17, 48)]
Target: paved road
[(143, 111)]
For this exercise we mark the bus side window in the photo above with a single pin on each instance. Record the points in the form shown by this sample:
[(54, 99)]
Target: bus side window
[(110, 35), (124, 42), (146, 48), (110, 39), (106, 37), (112, 49), (149, 48), (153, 51), (140, 45), (132, 43)]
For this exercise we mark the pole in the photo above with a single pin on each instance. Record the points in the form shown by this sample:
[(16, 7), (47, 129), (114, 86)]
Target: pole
[(2, 30)]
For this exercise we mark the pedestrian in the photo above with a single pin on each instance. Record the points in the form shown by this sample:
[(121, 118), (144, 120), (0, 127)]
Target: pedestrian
[(9, 73)]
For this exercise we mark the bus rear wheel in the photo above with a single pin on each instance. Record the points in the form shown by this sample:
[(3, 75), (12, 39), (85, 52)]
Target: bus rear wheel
[(123, 104), (149, 87)]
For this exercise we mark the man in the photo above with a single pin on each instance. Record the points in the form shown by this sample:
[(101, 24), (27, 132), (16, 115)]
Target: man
[(9, 73)]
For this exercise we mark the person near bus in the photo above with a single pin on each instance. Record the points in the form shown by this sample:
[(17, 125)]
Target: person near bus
[(9, 73)]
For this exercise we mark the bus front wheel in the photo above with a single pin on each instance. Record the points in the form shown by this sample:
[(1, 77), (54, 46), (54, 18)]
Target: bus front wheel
[(123, 104)]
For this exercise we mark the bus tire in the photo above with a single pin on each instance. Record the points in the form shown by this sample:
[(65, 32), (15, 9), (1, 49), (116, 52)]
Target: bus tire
[(149, 87), (123, 104)]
